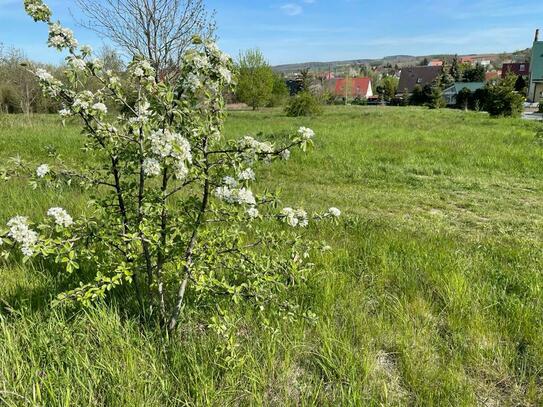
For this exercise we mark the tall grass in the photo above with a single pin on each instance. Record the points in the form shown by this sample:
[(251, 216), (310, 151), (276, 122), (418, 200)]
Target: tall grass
[(432, 294)]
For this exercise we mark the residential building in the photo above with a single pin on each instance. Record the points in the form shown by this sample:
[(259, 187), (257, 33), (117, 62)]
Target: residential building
[(518, 69), (467, 60), (435, 62), (535, 89), (418, 75), (492, 75), (353, 87), (452, 91)]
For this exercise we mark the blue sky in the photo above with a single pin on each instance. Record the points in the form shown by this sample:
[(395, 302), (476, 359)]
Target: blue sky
[(289, 31)]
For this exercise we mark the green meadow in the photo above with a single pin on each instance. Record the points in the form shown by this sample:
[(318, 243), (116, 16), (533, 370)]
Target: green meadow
[(432, 294)]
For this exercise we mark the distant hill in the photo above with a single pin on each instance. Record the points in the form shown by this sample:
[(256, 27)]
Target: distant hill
[(400, 60)]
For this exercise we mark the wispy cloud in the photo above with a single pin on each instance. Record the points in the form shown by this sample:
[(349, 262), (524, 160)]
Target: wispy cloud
[(292, 9)]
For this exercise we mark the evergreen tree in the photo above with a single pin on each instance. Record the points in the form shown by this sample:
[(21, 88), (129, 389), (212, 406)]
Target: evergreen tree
[(455, 71)]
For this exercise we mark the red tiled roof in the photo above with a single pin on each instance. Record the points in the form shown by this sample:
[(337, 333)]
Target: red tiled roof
[(492, 75), (358, 86), (436, 62)]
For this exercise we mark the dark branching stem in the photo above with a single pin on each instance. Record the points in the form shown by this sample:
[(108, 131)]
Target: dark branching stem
[(141, 190), (163, 241), (188, 256)]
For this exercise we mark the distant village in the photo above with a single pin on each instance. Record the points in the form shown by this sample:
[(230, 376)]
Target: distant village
[(454, 73)]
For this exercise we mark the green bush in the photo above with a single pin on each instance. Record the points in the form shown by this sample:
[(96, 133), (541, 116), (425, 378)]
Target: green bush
[(303, 104), (359, 101)]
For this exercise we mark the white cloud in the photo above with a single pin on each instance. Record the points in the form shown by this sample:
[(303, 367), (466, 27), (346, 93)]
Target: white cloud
[(291, 9)]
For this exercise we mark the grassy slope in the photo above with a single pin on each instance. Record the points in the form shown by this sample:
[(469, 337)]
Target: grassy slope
[(432, 296)]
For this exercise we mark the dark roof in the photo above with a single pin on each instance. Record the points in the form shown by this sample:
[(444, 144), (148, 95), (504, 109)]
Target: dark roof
[(519, 69), (418, 75)]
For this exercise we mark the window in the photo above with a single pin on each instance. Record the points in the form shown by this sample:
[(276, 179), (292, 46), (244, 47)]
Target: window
[(522, 68), (419, 80)]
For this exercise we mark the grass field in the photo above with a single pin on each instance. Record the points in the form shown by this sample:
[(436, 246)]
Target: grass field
[(433, 294)]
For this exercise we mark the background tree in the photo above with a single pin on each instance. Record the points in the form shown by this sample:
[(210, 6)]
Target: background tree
[(280, 92), (159, 30), (389, 85), (255, 79), (111, 59), (475, 74), (20, 87)]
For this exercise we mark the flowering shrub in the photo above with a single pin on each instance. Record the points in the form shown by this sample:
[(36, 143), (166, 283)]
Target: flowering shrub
[(174, 208)]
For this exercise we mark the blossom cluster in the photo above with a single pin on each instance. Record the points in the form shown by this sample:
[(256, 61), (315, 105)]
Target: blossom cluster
[(42, 170), (37, 10), (20, 232), (83, 102), (60, 37), (169, 144), (241, 196), (306, 133), (61, 217), (255, 146), (295, 217), (142, 69), (76, 63)]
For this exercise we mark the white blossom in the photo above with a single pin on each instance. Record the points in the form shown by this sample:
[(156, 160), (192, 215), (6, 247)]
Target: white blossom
[(86, 50), (43, 75), (181, 171), (64, 112), (225, 74), (285, 155), (193, 82), (200, 61), (165, 143), (37, 10), (245, 196), (295, 217), (306, 133), (100, 107), (253, 212), (225, 194), (21, 233), (230, 182), (241, 196), (247, 175), (151, 167), (82, 102), (60, 37), (77, 63), (61, 217), (42, 170), (255, 146), (334, 212)]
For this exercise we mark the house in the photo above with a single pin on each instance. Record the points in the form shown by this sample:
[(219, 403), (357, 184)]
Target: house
[(492, 75), (418, 75), (353, 87), (452, 91), (535, 89), (435, 62), (467, 60), (518, 69)]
